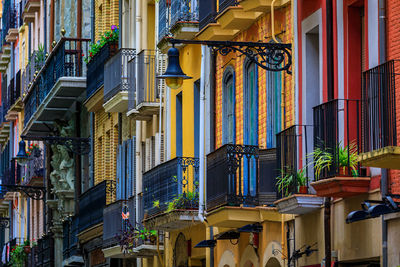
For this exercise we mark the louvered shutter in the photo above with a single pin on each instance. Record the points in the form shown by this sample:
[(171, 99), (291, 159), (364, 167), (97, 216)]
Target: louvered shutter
[(129, 168), (161, 67), (119, 174), (153, 151)]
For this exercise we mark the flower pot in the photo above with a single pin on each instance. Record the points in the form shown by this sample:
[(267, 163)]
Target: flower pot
[(27, 249), (303, 189)]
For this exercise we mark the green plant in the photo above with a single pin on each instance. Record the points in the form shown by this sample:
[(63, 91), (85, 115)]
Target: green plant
[(186, 200), (285, 180), (40, 56), (321, 159), (110, 36), (301, 177), (18, 255), (156, 204), (348, 157)]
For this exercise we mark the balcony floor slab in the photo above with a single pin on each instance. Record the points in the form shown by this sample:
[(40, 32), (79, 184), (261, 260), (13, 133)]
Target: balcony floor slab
[(299, 204), (387, 157), (147, 251), (56, 105), (115, 252), (261, 5), (173, 220), (118, 103), (234, 18)]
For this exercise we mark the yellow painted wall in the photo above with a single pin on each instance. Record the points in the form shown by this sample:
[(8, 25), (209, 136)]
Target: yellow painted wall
[(106, 14), (190, 60)]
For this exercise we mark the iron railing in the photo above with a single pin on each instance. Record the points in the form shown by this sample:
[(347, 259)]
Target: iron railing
[(92, 203), (337, 132), (184, 11), (379, 106), (207, 12), (35, 63), (4, 94), (35, 166), (163, 18), (233, 176), (116, 75), (64, 61), (95, 68), (70, 237), (293, 145), (147, 89), (45, 251), (175, 179), (224, 4), (114, 225), (9, 18), (12, 175)]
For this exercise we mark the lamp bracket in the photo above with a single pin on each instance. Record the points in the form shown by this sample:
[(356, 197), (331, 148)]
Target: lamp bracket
[(76, 145), (34, 192), (4, 222), (269, 56)]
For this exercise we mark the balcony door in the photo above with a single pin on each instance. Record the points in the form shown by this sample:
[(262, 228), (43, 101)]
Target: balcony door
[(250, 122)]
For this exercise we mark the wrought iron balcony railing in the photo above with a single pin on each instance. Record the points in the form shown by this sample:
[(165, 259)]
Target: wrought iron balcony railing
[(95, 68), (92, 203), (45, 251), (70, 237), (35, 63), (293, 145), (184, 11), (379, 106), (174, 181), (233, 176), (146, 82), (64, 61), (116, 73), (207, 12), (337, 136), (35, 166), (163, 18), (12, 175), (224, 4), (114, 225)]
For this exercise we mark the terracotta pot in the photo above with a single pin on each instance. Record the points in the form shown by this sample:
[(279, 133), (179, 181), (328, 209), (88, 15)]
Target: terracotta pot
[(303, 189), (27, 249)]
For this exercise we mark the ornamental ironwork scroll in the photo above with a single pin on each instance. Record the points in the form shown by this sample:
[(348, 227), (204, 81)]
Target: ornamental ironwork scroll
[(34, 192), (76, 145), (269, 56)]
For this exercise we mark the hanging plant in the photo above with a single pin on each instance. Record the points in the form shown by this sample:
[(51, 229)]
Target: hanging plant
[(18, 255), (110, 36), (31, 148)]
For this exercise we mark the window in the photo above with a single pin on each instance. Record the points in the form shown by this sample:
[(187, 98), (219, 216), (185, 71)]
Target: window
[(228, 107)]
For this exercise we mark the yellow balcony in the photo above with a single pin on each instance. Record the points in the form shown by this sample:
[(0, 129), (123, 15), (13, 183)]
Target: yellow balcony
[(261, 5), (235, 18), (215, 32), (386, 157)]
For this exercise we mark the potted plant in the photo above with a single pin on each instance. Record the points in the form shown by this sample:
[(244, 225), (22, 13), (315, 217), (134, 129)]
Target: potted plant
[(285, 181), (302, 181), (27, 247), (109, 38), (18, 256)]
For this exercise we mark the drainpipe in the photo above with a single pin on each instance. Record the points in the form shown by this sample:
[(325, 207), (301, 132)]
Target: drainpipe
[(45, 26), (384, 177), (202, 155), (330, 87)]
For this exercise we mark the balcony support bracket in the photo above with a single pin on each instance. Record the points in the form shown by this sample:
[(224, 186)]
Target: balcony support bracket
[(269, 56), (76, 145), (34, 192)]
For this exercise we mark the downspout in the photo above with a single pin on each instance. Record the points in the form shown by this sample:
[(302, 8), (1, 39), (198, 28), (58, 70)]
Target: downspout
[(51, 39), (120, 24), (45, 26), (202, 157), (384, 177), (92, 20)]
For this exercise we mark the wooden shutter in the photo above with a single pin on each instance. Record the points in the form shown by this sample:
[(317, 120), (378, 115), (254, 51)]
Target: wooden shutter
[(119, 174)]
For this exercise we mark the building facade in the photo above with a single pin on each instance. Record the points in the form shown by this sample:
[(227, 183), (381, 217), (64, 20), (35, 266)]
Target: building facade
[(277, 148)]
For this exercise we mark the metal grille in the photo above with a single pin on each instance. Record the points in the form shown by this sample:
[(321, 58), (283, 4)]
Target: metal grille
[(163, 18), (233, 176), (207, 12), (64, 61), (184, 11), (336, 126), (224, 4), (168, 181), (379, 106)]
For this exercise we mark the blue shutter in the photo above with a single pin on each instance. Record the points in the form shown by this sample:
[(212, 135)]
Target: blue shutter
[(119, 175), (123, 162)]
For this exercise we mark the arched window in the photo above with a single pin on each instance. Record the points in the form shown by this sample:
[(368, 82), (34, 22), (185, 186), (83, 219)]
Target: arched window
[(228, 107)]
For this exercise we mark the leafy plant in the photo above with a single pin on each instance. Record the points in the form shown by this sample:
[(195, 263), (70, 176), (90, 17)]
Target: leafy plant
[(301, 177), (40, 56), (129, 238), (156, 204), (321, 159), (289, 178), (110, 36), (18, 255), (348, 157), (186, 200)]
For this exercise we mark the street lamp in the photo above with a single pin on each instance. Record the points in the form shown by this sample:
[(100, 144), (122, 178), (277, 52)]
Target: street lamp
[(174, 75), (22, 158)]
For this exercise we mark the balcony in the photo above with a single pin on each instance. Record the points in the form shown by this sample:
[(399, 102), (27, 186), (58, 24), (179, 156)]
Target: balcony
[(240, 178), (293, 146), (44, 252), (379, 130), (9, 22), (170, 194), (35, 168), (117, 82), (31, 7), (58, 85), (261, 5), (91, 206), (71, 253), (114, 225), (11, 176), (14, 98), (336, 149), (144, 99), (95, 68), (35, 63)]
